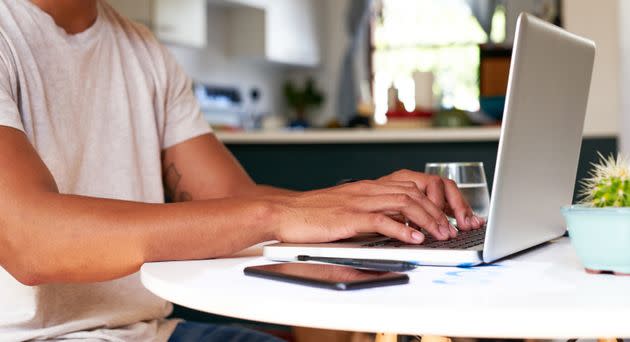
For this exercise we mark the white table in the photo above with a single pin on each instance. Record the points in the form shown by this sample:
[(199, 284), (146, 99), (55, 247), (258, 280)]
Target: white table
[(543, 293)]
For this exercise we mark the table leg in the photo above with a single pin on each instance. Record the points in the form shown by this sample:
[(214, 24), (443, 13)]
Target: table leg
[(383, 337)]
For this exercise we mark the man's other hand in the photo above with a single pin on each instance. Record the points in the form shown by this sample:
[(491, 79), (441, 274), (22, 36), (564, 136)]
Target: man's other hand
[(443, 193)]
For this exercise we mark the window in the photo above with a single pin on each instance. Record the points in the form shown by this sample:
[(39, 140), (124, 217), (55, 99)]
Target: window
[(442, 37)]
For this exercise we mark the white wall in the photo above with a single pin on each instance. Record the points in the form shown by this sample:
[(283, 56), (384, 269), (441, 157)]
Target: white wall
[(599, 21)]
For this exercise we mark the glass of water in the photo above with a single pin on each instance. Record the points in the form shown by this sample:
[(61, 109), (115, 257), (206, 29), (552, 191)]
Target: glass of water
[(471, 181)]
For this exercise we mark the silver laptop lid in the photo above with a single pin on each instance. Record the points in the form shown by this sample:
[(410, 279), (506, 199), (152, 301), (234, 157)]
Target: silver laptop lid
[(539, 148)]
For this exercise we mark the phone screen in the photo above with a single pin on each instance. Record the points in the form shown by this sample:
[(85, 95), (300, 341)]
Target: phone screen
[(327, 276)]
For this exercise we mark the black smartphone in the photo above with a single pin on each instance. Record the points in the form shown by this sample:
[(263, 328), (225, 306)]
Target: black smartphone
[(327, 276)]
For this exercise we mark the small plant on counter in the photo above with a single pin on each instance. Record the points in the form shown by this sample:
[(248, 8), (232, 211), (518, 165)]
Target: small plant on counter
[(599, 227), (609, 183), (301, 100)]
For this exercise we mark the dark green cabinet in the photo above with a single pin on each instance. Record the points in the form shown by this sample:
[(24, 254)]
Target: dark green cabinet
[(311, 166)]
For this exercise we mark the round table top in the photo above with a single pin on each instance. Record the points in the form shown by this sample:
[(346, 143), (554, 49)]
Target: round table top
[(542, 293)]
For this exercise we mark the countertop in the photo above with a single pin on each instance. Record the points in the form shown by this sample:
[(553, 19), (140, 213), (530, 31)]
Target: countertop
[(350, 136)]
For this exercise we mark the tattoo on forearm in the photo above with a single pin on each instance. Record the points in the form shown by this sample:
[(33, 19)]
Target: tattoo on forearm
[(172, 180)]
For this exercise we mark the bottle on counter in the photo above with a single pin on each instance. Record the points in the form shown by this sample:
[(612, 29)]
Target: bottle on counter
[(423, 82), (393, 101), (398, 117)]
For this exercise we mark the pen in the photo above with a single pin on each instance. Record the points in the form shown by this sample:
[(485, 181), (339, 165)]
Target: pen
[(371, 264)]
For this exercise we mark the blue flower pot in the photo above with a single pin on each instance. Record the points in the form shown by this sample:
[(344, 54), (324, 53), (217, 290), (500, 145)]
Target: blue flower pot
[(601, 237)]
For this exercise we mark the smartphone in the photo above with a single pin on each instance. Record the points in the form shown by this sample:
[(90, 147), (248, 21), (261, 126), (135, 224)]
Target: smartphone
[(327, 276)]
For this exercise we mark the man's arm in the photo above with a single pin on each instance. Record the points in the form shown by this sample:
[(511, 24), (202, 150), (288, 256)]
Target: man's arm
[(49, 237), (202, 168)]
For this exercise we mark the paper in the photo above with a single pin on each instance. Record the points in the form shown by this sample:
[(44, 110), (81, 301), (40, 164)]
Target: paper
[(508, 275), (522, 277)]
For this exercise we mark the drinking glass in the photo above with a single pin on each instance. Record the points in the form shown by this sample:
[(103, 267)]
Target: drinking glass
[(471, 181)]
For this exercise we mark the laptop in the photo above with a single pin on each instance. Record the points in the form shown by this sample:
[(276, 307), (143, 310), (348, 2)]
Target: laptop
[(539, 146)]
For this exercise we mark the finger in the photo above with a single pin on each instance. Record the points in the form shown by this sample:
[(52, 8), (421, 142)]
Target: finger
[(431, 185), (478, 222), (411, 189), (411, 208), (436, 205), (441, 229), (397, 216), (384, 225), (435, 192), (408, 188), (458, 205), (435, 210), (437, 213), (420, 215)]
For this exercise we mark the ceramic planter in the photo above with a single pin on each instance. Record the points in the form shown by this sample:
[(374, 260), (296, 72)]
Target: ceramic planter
[(601, 237)]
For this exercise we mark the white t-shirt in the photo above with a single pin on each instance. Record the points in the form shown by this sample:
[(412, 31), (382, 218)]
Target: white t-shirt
[(99, 107)]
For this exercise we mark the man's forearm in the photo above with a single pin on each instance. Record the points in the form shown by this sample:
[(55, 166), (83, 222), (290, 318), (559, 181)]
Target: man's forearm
[(63, 238)]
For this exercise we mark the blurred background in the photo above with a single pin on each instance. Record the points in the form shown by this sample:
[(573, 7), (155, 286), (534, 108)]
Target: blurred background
[(364, 56), (305, 92)]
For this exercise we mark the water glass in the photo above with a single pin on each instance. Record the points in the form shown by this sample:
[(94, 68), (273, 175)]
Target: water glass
[(471, 181)]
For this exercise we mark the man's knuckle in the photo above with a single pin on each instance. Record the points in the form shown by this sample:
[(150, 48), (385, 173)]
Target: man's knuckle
[(404, 199), (430, 223), (378, 220), (410, 184), (401, 172), (435, 179), (442, 220)]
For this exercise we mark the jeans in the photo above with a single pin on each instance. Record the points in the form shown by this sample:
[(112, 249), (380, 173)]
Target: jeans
[(192, 331)]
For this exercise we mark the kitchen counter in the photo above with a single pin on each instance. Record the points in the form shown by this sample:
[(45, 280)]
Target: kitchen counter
[(353, 136), (314, 159)]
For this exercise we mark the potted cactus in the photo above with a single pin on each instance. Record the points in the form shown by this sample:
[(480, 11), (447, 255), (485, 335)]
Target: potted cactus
[(599, 227)]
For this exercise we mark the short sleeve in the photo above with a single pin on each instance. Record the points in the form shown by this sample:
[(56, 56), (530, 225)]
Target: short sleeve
[(9, 112), (183, 119)]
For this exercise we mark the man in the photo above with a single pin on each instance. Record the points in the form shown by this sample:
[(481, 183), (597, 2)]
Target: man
[(95, 116)]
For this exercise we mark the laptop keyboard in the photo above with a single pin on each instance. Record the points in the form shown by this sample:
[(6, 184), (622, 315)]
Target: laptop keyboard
[(464, 240)]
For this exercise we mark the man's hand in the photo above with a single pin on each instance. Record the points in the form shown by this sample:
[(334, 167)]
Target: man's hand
[(361, 207), (443, 193)]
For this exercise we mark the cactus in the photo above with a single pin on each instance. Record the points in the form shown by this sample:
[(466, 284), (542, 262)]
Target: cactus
[(609, 183)]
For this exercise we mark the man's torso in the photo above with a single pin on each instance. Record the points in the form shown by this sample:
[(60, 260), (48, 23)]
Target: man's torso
[(94, 107)]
